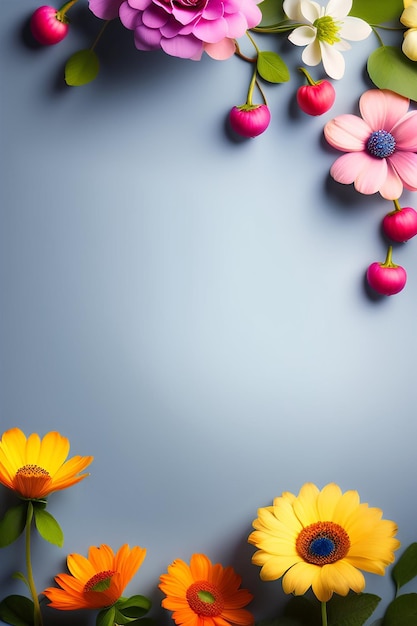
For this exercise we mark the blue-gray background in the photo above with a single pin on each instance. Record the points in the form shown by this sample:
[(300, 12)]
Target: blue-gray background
[(192, 309)]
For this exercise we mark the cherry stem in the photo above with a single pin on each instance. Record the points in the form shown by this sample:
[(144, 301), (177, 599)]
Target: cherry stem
[(65, 7), (388, 261), (397, 205), (308, 77)]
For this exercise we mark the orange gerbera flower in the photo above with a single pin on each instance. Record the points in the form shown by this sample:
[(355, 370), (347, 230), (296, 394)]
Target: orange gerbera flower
[(35, 467), (95, 582), (203, 594)]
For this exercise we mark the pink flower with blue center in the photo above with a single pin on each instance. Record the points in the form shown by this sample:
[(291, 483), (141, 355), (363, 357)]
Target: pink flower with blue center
[(183, 28), (380, 146)]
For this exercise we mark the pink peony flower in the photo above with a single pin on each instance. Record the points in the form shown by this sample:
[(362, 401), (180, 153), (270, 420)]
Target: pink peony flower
[(380, 145), (183, 28)]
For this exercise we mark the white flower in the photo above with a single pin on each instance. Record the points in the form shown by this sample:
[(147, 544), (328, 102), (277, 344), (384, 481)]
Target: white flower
[(324, 31), (409, 19)]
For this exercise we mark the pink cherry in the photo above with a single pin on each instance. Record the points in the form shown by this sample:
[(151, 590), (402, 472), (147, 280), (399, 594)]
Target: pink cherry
[(316, 99), (386, 278), (400, 225), (48, 25), (250, 120)]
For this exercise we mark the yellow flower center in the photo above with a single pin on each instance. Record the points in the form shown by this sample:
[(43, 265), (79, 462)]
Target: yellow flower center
[(30, 481), (100, 581), (205, 599), (327, 29), (322, 543)]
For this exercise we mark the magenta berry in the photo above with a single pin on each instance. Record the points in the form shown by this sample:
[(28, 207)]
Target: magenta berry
[(48, 25), (317, 97), (386, 278), (401, 224), (250, 120)]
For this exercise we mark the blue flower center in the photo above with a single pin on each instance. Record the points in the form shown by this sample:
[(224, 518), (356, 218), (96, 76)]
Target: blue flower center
[(381, 144), (322, 543), (322, 547)]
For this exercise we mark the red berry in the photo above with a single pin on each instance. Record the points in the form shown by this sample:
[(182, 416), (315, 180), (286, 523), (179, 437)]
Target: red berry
[(250, 120), (316, 99), (48, 26), (386, 278), (400, 225)]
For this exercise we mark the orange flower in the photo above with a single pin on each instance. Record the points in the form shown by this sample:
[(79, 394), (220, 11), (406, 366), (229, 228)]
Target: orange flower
[(95, 582), (36, 467), (203, 594)]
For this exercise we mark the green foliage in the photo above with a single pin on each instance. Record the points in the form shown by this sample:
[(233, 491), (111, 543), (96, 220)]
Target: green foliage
[(272, 12), (106, 617), (81, 68), (377, 11), (351, 610), (402, 611), (48, 527), (389, 68), (17, 610), (406, 567), (272, 68), (13, 524), (134, 607)]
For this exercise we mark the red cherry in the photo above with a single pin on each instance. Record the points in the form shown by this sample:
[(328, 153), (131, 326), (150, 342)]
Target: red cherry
[(316, 99), (250, 120), (400, 225), (386, 278), (48, 25)]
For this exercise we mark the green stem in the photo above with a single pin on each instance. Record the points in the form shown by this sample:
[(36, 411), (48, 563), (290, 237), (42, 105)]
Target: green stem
[(37, 616), (103, 28), (307, 75), (388, 261), (251, 88), (378, 36), (397, 205), (65, 7), (324, 614)]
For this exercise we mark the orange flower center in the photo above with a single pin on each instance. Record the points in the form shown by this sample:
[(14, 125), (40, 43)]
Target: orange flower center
[(205, 599), (322, 543), (31, 480), (99, 582)]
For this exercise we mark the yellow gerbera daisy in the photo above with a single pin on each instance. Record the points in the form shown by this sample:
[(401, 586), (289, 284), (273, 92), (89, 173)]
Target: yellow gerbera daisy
[(35, 467), (321, 539), (95, 582), (202, 594)]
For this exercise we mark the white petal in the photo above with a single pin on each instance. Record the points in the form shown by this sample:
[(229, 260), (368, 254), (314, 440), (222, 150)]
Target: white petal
[(292, 8), (342, 45), (338, 8), (303, 35), (354, 29), (410, 44), (312, 54), (310, 10), (333, 61)]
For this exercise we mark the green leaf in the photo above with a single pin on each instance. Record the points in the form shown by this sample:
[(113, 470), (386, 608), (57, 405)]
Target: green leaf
[(272, 12), (22, 577), (17, 610), (377, 11), (106, 617), (81, 68), (303, 611), (272, 68), (13, 524), (390, 69), (406, 567), (135, 606), (48, 527), (351, 610), (402, 611)]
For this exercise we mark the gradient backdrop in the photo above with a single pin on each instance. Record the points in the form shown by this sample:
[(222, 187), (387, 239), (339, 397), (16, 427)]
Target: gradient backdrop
[(191, 309)]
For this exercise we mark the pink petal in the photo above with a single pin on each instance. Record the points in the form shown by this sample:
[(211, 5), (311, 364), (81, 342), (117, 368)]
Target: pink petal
[(221, 50), (393, 186), (382, 109), (367, 173), (249, 9), (154, 17), (105, 9), (214, 10), (129, 17), (139, 5), (405, 164), (237, 25), (211, 31), (405, 132), (147, 38), (348, 133), (184, 47)]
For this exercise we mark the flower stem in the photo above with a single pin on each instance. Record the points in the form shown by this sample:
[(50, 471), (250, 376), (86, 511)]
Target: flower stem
[(37, 616), (324, 614), (97, 39)]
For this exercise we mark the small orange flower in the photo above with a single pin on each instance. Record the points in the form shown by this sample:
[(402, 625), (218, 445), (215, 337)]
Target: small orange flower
[(95, 582), (35, 467), (203, 594)]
